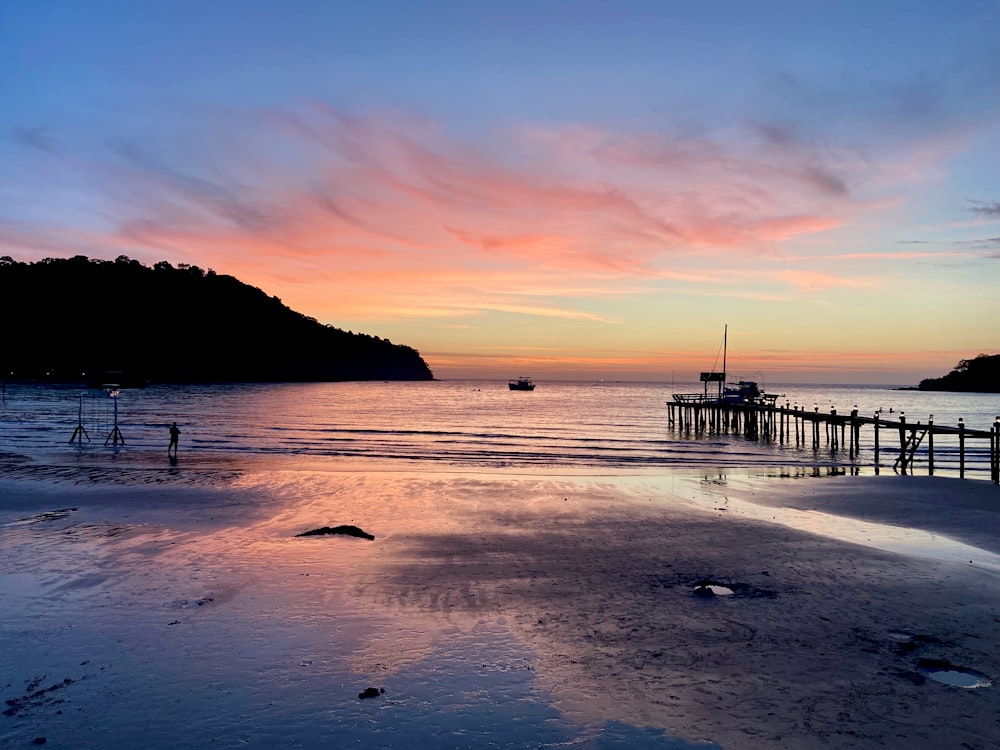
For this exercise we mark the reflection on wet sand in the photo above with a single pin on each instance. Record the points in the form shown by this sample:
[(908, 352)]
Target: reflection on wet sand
[(483, 598), (599, 586)]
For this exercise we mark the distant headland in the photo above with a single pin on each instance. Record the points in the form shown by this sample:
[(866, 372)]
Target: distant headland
[(73, 319), (978, 375)]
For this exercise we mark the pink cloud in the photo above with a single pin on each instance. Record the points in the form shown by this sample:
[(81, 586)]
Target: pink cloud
[(392, 212)]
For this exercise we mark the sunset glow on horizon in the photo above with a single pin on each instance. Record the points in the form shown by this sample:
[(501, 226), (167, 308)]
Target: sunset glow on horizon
[(563, 190)]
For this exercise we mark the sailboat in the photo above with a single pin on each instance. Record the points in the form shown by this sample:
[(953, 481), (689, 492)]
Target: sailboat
[(742, 392)]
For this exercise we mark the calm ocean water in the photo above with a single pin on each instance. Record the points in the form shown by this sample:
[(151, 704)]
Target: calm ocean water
[(561, 425)]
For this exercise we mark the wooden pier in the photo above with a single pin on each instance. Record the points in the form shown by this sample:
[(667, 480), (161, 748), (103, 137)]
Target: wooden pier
[(765, 420)]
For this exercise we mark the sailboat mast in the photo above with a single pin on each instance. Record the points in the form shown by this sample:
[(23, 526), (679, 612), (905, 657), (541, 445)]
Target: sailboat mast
[(725, 341)]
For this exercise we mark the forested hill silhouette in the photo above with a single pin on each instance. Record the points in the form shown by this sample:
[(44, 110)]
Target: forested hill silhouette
[(979, 375), (73, 318)]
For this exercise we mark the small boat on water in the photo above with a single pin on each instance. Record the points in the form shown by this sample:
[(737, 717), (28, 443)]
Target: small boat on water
[(521, 384)]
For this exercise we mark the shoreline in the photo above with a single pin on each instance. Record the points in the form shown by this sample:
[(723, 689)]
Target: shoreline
[(572, 595)]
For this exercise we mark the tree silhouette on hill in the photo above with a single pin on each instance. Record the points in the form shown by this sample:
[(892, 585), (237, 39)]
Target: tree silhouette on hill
[(72, 318), (980, 375)]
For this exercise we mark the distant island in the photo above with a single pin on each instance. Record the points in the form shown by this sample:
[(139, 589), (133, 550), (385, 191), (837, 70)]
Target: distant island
[(73, 319), (978, 375)]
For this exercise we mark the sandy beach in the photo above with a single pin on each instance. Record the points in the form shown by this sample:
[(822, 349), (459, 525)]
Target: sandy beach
[(497, 609)]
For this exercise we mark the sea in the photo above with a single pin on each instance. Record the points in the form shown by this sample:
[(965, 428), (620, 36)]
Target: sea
[(471, 424)]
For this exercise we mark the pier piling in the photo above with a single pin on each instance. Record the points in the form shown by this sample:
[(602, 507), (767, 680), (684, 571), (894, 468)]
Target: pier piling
[(765, 420)]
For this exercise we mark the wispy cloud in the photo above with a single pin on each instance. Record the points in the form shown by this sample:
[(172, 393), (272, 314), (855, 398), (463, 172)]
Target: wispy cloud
[(812, 281), (875, 256), (37, 137), (388, 177), (991, 210), (388, 214)]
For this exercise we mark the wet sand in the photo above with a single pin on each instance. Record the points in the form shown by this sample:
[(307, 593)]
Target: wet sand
[(498, 609)]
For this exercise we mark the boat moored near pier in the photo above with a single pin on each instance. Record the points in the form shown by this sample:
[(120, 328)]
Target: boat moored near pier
[(742, 392)]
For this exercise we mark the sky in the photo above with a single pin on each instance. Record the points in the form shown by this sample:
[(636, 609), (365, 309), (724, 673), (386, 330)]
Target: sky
[(566, 190)]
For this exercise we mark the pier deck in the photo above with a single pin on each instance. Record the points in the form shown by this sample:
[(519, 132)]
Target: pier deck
[(765, 420)]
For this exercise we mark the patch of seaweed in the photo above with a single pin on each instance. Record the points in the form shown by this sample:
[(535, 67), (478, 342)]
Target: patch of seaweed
[(35, 696)]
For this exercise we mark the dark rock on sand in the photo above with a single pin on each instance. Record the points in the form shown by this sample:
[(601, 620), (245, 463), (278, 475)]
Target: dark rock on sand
[(344, 530), (371, 693)]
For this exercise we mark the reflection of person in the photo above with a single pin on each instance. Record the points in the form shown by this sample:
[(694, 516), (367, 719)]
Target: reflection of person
[(174, 435)]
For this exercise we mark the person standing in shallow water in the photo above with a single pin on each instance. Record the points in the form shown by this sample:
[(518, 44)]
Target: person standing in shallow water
[(174, 437)]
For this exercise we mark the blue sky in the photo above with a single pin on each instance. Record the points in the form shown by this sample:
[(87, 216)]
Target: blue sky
[(585, 189)]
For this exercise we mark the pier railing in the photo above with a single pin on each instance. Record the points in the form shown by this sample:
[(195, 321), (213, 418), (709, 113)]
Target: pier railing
[(959, 449)]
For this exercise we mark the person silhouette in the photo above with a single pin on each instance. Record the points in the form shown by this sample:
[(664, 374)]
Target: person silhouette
[(174, 436)]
